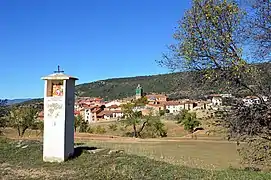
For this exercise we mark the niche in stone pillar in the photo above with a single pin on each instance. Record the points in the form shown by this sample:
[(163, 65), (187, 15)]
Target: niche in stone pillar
[(55, 88)]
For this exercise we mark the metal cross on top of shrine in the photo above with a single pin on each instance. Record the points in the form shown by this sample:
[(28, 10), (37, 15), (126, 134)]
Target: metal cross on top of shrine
[(58, 70)]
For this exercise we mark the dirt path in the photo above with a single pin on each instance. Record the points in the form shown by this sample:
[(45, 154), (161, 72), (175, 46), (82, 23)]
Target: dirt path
[(118, 139)]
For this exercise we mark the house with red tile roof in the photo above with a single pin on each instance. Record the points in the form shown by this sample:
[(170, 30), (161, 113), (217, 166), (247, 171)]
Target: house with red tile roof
[(90, 113), (118, 103), (153, 108), (156, 98), (106, 114), (113, 107)]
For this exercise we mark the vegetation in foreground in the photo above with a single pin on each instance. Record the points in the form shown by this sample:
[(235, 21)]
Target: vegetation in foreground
[(23, 160), (211, 39)]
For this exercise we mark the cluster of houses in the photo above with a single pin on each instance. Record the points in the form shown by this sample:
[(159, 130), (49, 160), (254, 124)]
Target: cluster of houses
[(96, 109)]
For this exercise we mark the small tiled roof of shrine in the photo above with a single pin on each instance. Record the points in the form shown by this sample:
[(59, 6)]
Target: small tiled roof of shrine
[(60, 76)]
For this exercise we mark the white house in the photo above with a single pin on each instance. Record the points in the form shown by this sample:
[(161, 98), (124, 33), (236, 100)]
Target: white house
[(111, 114), (216, 100), (249, 100), (226, 95), (89, 117), (90, 114), (174, 107)]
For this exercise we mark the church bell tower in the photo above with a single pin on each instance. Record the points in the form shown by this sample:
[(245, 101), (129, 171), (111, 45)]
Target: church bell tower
[(139, 92)]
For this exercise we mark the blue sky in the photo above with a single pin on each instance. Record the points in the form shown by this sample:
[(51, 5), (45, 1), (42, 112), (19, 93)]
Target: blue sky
[(89, 39)]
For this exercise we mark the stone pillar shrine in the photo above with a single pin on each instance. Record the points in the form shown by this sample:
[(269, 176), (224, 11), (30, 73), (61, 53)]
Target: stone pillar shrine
[(58, 137)]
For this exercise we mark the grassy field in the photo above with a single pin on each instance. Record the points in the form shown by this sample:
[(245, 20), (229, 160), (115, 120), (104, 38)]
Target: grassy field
[(192, 153), (174, 157), (206, 152), (24, 161)]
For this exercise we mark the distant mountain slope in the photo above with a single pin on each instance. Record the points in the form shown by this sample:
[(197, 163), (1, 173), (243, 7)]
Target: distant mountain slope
[(176, 85), (16, 101)]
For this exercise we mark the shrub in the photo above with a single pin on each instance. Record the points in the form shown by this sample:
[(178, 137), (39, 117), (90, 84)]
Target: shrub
[(162, 112), (100, 130), (180, 117), (83, 127), (154, 128), (188, 120), (256, 153), (113, 127), (251, 125), (128, 134), (122, 128), (90, 130)]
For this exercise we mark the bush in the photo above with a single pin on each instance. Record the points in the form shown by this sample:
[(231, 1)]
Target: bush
[(256, 153), (153, 132), (100, 130), (90, 130), (251, 125), (188, 120), (128, 134), (162, 112), (113, 127), (83, 127), (122, 128), (181, 116), (154, 128)]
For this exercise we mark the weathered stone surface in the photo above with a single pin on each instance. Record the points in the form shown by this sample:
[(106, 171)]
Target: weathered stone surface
[(53, 159)]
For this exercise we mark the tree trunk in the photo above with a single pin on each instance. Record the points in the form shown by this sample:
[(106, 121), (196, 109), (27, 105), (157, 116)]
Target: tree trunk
[(141, 129), (23, 131), (135, 132), (18, 130)]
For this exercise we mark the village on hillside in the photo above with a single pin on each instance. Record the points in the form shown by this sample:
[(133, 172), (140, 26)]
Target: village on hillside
[(162, 90), (95, 109)]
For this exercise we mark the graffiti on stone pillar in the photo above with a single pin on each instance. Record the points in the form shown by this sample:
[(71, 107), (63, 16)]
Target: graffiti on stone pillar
[(54, 109)]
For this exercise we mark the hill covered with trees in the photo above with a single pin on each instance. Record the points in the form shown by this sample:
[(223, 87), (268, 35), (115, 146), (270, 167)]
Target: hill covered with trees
[(117, 88), (176, 85)]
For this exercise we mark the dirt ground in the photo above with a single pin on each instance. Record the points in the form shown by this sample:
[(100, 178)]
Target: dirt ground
[(205, 152), (119, 139)]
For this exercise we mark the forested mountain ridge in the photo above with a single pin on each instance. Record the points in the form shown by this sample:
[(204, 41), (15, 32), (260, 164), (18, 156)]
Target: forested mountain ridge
[(176, 85)]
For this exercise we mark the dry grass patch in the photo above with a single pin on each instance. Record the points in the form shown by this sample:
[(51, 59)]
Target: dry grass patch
[(26, 163), (193, 153)]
